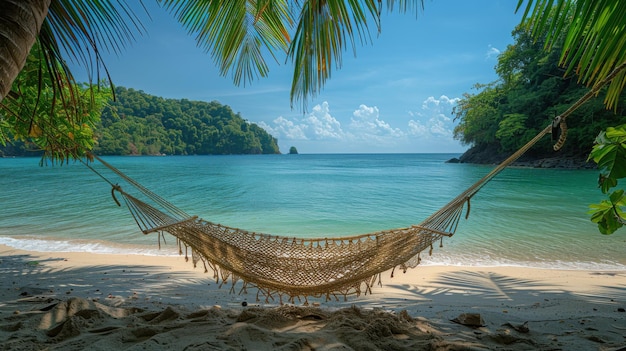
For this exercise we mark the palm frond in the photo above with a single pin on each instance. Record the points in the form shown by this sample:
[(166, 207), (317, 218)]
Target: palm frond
[(325, 29), (595, 37), (237, 33), (59, 123), (82, 30), (78, 31)]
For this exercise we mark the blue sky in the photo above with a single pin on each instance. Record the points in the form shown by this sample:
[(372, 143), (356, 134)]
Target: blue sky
[(396, 95)]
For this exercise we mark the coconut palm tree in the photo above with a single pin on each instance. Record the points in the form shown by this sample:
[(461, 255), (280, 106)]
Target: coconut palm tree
[(239, 35), (20, 23), (65, 29), (44, 33)]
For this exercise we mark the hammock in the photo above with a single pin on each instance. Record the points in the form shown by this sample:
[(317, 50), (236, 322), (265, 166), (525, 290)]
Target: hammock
[(294, 267)]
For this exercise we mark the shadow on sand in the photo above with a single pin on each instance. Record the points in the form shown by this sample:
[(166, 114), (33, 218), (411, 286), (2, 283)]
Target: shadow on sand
[(144, 307)]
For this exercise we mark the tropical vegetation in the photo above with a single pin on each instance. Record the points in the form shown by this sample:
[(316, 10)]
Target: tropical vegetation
[(34, 118), (141, 124), (593, 33), (240, 35), (530, 91)]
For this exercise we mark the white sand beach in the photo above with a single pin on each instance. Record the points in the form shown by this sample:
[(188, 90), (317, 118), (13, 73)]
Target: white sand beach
[(80, 301)]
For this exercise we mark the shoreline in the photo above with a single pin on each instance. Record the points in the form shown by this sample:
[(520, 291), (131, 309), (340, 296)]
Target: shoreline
[(564, 309), (442, 257)]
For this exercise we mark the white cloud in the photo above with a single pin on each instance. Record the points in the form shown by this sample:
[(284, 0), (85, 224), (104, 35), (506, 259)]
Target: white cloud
[(366, 125), (433, 120), (492, 52), (317, 125), (285, 128), (429, 129), (418, 128), (322, 125)]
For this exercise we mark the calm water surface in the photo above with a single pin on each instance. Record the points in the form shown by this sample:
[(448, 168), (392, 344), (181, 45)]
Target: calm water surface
[(527, 217)]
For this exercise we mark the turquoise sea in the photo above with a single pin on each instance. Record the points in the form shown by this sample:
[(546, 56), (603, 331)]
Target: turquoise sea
[(523, 217)]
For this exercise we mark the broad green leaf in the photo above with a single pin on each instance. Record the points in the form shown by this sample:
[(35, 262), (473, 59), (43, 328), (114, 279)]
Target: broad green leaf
[(606, 183), (606, 217), (617, 196), (601, 151), (616, 132)]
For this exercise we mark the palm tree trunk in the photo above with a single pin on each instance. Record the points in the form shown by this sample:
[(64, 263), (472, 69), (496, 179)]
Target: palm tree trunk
[(20, 21)]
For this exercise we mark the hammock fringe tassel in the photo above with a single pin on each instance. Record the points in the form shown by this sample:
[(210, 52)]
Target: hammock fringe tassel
[(291, 267)]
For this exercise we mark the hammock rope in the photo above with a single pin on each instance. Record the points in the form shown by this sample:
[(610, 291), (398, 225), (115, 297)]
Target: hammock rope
[(291, 267)]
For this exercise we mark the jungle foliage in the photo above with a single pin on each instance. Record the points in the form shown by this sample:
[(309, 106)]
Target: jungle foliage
[(531, 90), (34, 122), (594, 49), (137, 123), (141, 124)]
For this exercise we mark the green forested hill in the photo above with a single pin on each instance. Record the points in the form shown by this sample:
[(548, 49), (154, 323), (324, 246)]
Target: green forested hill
[(531, 90), (137, 123), (141, 124)]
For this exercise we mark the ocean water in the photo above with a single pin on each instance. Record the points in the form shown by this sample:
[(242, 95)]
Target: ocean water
[(523, 217)]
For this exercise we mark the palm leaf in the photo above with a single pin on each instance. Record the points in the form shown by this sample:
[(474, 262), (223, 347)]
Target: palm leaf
[(325, 29), (239, 34), (78, 31), (81, 30), (595, 37)]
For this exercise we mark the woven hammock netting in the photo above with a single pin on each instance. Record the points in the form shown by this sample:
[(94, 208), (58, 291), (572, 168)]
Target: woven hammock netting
[(292, 267)]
